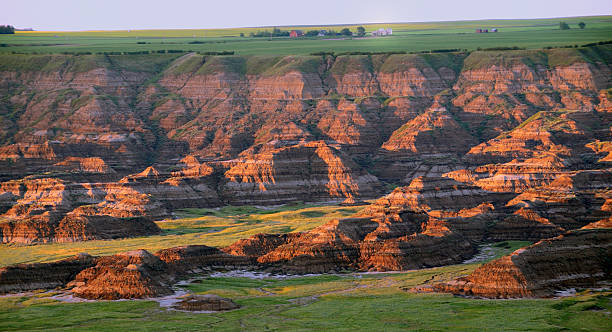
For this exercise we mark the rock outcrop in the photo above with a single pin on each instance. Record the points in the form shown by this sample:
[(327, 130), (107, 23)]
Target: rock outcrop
[(27, 277), (576, 259), (53, 210), (302, 172), (208, 302), (185, 259), (128, 275), (379, 243), (133, 274), (140, 274)]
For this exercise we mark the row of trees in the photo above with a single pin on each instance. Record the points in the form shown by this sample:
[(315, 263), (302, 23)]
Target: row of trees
[(276, 32), (565, 26), (7, 30)]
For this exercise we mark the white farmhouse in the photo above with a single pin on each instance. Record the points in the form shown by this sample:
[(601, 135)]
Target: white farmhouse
[(382, 32)]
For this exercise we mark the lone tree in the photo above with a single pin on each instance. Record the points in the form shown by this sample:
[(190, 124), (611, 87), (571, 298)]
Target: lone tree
[(563, 26), (346, 32), (360, 31), (7, 30), (581, 25)]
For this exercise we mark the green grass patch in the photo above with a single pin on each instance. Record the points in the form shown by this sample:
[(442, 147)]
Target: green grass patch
[(213, 227), (366, 302), (407, 37)]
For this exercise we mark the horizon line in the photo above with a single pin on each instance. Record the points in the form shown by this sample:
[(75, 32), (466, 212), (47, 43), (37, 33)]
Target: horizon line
[(321, 25)]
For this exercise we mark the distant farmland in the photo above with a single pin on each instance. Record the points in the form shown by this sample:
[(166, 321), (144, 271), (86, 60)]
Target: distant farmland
[(407, 37)]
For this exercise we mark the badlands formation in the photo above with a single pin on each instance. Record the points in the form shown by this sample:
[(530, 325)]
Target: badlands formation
[(479, 147)]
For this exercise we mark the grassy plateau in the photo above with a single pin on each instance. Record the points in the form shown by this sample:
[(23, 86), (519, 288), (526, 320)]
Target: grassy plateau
[(407, 37)]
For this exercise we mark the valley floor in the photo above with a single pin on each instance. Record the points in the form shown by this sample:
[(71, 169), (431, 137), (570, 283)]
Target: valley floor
[(212, 227), (343, 302)]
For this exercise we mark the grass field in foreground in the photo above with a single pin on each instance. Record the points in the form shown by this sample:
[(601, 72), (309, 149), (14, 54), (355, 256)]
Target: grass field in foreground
[(407, 37), (213, 227), (345, 302)]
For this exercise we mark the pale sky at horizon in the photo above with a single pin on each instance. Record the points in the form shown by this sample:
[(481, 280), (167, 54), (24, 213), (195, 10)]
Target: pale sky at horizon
[(67, 15)]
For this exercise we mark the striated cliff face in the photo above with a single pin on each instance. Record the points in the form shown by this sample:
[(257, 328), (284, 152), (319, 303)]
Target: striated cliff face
[(304, 171), (363, 243), (27, 277), (96, 146), (128, 275), (576, 259), (133, 274)]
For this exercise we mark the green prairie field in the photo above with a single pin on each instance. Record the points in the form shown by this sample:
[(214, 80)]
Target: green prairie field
[(340, 302), (407, 37)]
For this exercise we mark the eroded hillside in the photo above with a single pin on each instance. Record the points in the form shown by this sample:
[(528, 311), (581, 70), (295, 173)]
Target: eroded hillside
[(98, 146)]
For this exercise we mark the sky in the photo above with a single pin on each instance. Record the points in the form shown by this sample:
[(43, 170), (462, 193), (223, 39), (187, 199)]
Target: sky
[(70, 15)]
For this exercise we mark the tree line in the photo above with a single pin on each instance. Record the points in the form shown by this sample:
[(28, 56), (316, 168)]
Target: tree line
[(7, 29), (276, 32), (565, 26)]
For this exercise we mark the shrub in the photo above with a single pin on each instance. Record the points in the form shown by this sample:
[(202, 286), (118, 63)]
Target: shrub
[(361, 31), (563, 26), (346, 32), (7, 30)]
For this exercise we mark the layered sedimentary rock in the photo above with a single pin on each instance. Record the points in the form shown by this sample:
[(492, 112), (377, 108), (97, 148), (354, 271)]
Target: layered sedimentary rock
[(26, 277), (140, 274), (387, 236), (359, 243), (432, 222), (87, 140), (133, 274), (48, 210), (182, 260), (305, 171), (576, 259), (208, 302)]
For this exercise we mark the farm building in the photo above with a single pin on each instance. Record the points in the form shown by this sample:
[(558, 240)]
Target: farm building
[(486, 30), (296, 33), (382, 32), (322, 33)]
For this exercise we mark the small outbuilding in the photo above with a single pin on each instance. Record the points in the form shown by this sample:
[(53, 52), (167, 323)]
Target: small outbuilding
[(382, 32), (296, 33)]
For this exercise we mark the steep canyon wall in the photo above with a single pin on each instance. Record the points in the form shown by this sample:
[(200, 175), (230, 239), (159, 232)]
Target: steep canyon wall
[(490, 145)]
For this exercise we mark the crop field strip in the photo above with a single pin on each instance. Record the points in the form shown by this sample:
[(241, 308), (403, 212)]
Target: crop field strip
[(407, 37)]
